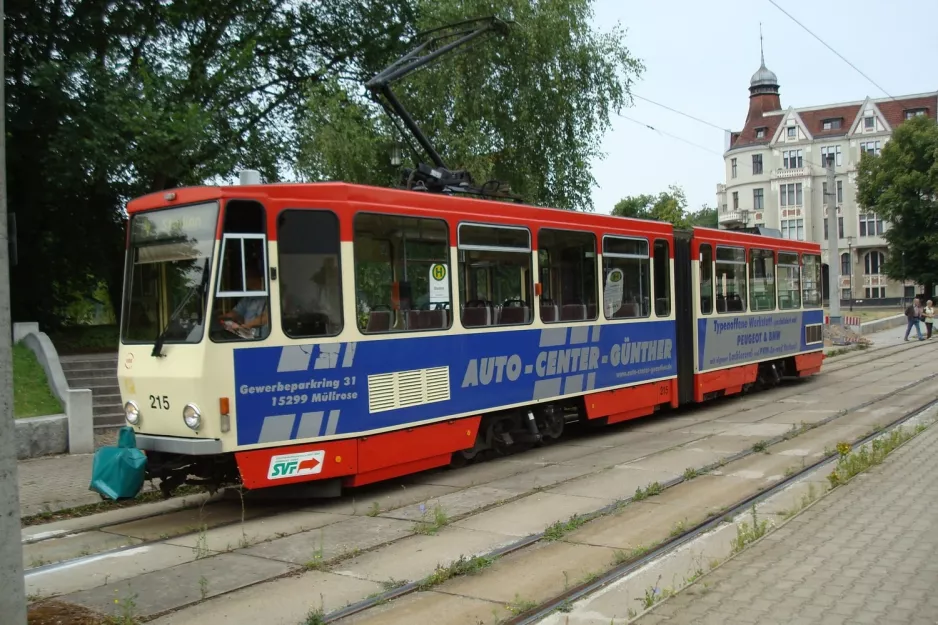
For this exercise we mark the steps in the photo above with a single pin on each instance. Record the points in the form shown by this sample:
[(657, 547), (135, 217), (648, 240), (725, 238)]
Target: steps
[(97, 372)]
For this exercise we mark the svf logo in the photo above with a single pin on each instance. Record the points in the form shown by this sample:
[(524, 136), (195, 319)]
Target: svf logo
[(295, 465)]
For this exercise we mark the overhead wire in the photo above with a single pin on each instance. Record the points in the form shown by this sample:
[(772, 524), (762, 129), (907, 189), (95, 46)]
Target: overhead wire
[(826, 45), (668, 134)]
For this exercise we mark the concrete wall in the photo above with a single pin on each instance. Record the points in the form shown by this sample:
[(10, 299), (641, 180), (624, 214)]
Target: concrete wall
[(41, 436), (885, 323), (79, 422)]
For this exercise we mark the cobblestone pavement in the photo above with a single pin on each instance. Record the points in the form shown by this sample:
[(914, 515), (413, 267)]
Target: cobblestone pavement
[(866, 553)]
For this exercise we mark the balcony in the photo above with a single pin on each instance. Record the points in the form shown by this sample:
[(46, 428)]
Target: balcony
[(733, 218), (798, 172)]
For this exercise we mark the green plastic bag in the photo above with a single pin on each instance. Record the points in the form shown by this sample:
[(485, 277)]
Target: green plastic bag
[(118, 472)]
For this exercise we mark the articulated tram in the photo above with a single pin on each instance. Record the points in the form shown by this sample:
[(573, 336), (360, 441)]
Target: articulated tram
[(331, 335)]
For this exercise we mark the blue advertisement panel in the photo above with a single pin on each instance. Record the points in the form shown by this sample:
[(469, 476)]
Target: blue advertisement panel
[(303, 391), (726, 341)]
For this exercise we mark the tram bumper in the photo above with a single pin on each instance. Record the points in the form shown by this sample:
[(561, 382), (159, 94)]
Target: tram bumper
[(118, 472)]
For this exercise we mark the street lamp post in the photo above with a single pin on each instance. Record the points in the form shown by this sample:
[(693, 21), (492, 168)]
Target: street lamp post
[(850, 266)]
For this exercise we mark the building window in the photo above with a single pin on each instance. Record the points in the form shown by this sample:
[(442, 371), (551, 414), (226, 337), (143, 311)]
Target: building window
[(789, 281), (756, 163), (845, 264), (567, 269), (870, 147), (840, 192), (876, 292), (908, 292), (761, 280), (760, 133), (706, 279), (870, 225), (840, 228), (733, 167), (831, 150), (735, 200), (791, 195), (792, 159), (793, 229), (310, 279), (792, 132), (832, 124), (910, 113), (626, 271), (874, 262), (757, 200), (402, 276), (495, 275), (731, 279), (869, 123)]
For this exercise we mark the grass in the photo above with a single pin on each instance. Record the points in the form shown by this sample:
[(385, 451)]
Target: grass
[(559, 529), (32, 396), (431, 523), (852, 463), (458, 568), (747, 534)]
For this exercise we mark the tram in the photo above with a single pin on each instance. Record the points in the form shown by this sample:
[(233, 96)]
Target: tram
[(287, 333), (329, 335)]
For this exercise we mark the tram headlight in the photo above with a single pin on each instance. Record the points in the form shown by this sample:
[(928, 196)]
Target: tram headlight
[(132, 412), (192, 416)]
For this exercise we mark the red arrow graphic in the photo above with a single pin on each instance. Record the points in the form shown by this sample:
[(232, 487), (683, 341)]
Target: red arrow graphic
[(312, 463)]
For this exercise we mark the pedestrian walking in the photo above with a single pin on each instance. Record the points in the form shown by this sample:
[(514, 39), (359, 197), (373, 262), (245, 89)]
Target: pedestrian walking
[(929, 318), (914, 315)]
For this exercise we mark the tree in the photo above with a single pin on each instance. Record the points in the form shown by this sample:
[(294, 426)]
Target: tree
[(529, 109), (705, 217), (109, 100), (901, 186), (669, 206)]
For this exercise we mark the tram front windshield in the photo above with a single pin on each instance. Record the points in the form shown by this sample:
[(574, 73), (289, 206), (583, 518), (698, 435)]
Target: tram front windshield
[(168, 267)]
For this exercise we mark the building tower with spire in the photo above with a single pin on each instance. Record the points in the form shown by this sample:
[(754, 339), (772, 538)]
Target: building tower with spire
[(775, 180)]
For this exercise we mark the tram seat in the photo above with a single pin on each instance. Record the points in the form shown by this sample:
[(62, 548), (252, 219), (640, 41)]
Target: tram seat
[(511, 315), (735, 303), (591, 311), (379, 321), (550, 313), (475, 316), (573, 312), (627, 311), (721, 304), (662, 306), (426, 319)]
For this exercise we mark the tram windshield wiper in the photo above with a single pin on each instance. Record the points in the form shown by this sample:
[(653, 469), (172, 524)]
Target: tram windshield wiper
[(195, 288)]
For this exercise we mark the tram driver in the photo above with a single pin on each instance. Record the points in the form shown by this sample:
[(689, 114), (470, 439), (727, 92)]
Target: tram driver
[(249, 317)]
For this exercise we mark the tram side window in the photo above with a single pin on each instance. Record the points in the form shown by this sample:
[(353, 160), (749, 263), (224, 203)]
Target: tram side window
[(662, 278), (567, 266), (731, 279), (242, 307), (706, 279), (626, 278), (495, 281), (402, 281), (761, 280), (310, 278), (789, 281), (811, 280)]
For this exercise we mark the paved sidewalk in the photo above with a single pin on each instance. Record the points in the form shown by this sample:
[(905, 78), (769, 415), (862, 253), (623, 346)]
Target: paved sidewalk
[(866, 553)]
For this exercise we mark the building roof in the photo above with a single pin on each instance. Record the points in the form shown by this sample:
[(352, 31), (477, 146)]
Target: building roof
[(893, 110), (763, 77)]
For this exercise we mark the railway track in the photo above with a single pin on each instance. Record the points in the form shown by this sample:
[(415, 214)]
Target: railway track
[(840, 364), (582, 591)]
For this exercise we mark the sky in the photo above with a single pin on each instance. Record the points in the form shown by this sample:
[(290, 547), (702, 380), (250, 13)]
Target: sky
[(700, 56)]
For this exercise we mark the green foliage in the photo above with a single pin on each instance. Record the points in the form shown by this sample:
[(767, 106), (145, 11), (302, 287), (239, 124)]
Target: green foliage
[(32, 396), (901, 185), (109, 100), (669, 206), (529, 109)]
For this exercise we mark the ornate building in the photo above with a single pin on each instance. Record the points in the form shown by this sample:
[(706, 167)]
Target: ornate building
[(775, 177)]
